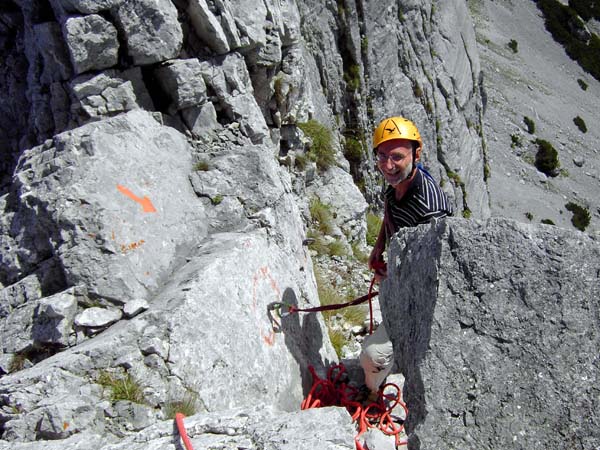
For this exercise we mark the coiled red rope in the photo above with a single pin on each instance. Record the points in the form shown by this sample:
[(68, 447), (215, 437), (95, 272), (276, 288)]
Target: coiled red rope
[(333, 391)]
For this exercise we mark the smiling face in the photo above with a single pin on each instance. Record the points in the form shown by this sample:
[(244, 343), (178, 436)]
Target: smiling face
[(395, 160)]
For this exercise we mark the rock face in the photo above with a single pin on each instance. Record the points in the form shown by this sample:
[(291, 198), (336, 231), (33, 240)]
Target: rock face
[(496, 326), (154, 205), (113, 212), (413, 59)]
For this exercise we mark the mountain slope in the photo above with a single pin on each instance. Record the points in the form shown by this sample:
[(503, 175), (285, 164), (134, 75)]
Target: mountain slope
[(538, 81)]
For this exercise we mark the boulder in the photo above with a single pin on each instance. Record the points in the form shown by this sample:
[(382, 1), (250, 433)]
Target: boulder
[(105, 221), (208, 27), (53, 323), (495, 326), (201, 120), (182, 82), (183, 345), (111, 92), (151, 30), (96, 317), (92, 43)]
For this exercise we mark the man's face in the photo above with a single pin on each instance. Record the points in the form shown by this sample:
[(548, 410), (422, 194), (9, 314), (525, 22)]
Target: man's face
[(394, 160)]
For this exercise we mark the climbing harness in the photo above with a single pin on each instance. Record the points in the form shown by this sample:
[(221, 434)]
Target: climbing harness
[(181, 430), (333, 391)]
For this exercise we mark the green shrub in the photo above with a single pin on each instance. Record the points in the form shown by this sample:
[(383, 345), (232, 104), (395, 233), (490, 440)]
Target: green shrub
[(201, 166), (328, 295), (321, 215), (513, 45), (336, 248), (516, 140), (557, 18), (352, 78), (353, 150), (547, 221), (217, 199), (546, 159), (417, 90), (529, 215), (300, 161), (358, 254), (122, 387), (586, 9), (487, 172), (17, 362), (530, 125), (338, 340), (581, 216), (373, 226), (318, 244), (582, 84), (580, 124), (364, 44), (321, 149)]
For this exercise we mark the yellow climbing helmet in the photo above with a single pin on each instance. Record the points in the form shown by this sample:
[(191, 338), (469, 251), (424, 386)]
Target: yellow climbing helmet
[(396, 128)]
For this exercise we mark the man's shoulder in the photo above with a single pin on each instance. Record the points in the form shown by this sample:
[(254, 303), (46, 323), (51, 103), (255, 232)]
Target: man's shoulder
[(430, 197)]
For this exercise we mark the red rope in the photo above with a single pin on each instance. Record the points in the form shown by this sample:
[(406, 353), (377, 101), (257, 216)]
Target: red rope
[(332, 391), (182, 433)]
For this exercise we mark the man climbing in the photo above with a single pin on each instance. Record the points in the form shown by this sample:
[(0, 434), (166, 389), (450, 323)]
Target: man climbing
[(411, 198)]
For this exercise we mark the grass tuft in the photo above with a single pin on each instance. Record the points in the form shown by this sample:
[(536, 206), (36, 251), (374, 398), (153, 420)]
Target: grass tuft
[(373, 226), (121, 387), (186, 406), (321, 150)]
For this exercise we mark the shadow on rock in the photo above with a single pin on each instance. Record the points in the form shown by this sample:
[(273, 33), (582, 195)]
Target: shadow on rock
[(304, 339)]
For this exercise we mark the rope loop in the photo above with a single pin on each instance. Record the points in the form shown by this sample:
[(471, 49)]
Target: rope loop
[(334, 391)]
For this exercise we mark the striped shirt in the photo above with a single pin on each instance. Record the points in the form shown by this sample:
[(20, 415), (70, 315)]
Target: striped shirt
[(423, 201)]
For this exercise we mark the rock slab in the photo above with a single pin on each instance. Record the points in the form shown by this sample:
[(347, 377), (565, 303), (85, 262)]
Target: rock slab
[(496, 327)]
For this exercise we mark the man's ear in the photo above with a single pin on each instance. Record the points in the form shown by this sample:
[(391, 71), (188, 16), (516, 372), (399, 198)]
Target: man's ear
[(418, 153)]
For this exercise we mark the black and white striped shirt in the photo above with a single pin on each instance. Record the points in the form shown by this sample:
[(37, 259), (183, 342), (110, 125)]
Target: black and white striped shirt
[(423, 201)]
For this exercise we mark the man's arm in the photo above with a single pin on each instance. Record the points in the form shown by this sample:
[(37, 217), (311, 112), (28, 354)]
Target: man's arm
[(376, 261)]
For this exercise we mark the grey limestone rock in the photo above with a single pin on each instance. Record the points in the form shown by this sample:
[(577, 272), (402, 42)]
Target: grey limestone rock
[(182, 82), (54, 318), (131, 184), (54, 52), (248, 428), (229, 284), (496, 327), (84, 6), (336, 188), (96, 317), (201, 120), (111, 92), (151, 30), (208, 26), (134, 307), (92, 43), (228, 77)]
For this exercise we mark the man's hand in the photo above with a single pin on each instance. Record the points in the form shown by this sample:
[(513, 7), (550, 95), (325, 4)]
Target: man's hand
[(377, 264)]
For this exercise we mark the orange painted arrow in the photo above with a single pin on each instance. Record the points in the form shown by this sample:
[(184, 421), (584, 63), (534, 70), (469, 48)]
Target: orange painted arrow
[(145, 202)]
